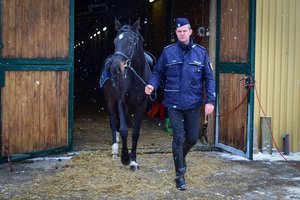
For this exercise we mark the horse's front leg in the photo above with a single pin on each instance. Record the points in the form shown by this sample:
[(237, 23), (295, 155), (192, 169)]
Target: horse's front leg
[(125, 159), (114, 123), (138, 116), (115, 145)]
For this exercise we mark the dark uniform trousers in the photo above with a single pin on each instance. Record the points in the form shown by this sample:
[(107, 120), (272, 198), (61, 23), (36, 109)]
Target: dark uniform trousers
[(185, 125)]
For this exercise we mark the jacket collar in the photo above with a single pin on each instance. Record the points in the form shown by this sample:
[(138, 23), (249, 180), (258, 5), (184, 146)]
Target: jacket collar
[(185, 47)]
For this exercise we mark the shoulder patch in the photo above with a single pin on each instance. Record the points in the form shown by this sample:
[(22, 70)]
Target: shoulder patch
[(170, 46), (198, 45)]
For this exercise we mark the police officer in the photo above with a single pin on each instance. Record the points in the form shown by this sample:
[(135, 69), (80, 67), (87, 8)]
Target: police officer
[(182, 68)]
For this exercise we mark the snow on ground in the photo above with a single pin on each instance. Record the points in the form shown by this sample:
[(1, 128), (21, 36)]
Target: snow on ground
[(54, 157), (275, 156)]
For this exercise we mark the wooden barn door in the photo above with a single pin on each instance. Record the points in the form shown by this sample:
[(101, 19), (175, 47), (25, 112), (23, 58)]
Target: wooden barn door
[(235, 60), (36, 68)]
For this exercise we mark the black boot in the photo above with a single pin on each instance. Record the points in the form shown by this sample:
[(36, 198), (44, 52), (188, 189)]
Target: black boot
[(180, 181), (184, 164), (179, 166), (186, 149)]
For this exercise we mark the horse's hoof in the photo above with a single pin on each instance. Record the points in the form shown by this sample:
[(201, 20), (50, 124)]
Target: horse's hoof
[(134, 166), (125, 159)]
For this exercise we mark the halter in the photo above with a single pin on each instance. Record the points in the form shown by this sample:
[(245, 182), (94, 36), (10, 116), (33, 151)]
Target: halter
[(128, 58), (136, 40)]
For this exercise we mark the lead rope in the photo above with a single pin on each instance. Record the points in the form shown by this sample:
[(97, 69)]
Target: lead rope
[(128, 64)]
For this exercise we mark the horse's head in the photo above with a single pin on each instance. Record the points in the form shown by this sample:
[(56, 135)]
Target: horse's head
[(128, 44)]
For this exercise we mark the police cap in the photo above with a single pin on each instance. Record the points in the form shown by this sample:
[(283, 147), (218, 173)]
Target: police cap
[(181, 22)]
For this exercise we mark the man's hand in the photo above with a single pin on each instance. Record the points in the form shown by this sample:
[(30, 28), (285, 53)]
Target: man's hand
[(209, 108), (149, 89)]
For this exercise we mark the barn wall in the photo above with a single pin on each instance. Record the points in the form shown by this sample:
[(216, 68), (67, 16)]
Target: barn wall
[(277, 68), (234, 31), (35, 29), (36, 76), (34, 111), (232, 123)]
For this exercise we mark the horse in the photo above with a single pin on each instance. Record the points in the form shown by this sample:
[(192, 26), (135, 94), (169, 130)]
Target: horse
[(123, 80)]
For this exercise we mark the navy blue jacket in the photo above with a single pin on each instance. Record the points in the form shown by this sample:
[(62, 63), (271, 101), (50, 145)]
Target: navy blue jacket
[(181, 71)]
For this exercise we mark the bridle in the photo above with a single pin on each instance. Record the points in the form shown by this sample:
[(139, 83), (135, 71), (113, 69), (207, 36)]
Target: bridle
[(134, 46), (129, 58)]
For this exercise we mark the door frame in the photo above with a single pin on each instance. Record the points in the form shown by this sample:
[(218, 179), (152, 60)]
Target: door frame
[(237, 68)]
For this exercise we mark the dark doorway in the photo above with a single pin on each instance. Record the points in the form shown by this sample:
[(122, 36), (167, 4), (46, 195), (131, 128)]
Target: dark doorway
[(94, 33)]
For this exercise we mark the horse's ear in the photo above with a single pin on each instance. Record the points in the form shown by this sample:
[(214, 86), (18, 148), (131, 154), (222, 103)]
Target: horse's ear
[(118, 25), (136, 25)]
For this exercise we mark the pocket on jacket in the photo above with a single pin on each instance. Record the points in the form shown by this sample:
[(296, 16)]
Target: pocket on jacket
[(196, 74), (171, 88), (173, 68), (196, 67)]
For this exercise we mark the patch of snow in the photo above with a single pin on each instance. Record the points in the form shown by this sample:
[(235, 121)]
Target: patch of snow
[(260, 192), (275, 156), (67, 157), (162, 171), (219, 174), (50, 158), (294, 192), (230, 156)]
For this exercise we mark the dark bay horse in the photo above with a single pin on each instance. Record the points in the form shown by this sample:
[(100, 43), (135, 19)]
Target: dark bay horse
[(123, 80)]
